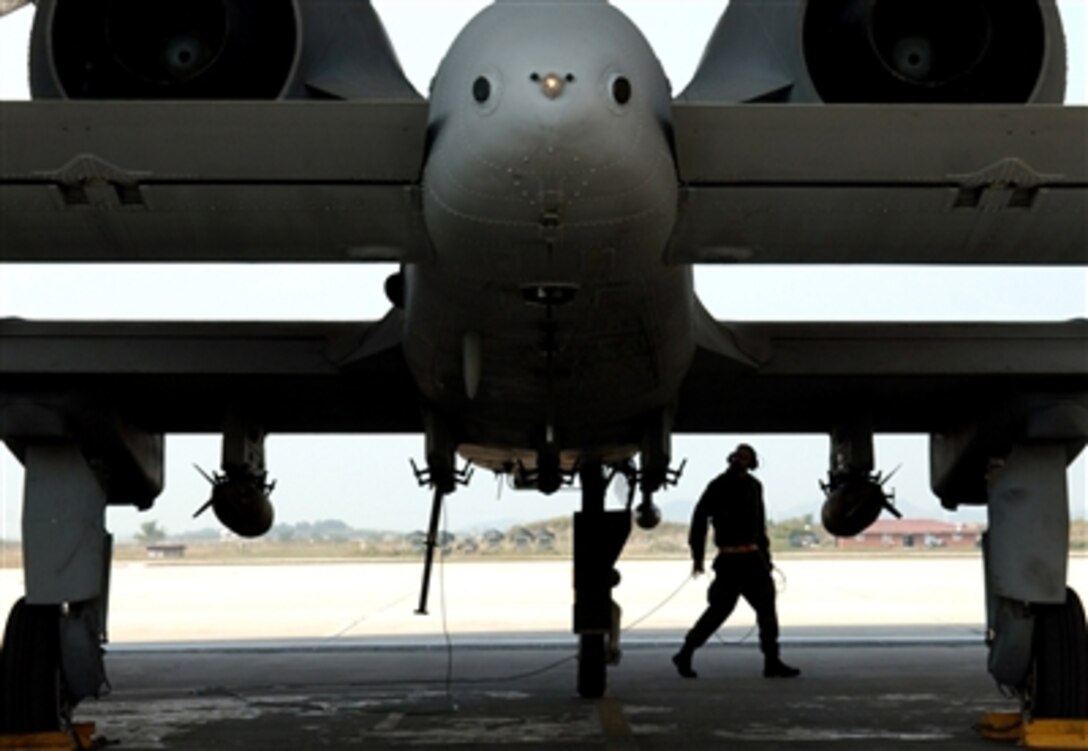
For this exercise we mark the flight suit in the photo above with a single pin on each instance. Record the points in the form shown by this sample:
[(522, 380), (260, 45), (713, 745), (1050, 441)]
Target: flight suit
[(733, 503)]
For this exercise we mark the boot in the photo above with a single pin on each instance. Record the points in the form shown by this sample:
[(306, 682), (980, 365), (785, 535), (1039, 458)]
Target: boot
[(682, 661), (775, 668)]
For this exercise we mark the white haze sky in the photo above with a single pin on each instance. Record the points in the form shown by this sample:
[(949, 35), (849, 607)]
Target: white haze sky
[(366, 480)]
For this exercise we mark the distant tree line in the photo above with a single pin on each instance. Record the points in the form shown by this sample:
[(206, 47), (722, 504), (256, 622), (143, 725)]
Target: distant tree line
[(550, 535)]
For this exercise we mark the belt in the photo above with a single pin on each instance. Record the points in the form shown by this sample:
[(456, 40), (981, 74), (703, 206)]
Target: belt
[(738, 548)]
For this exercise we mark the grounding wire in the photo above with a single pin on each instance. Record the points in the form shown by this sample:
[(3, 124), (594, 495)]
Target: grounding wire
[(569, 658), (442, 607), (448, 680), (364, 617)]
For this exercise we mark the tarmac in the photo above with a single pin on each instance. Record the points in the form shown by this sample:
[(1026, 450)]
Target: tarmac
[(869, 697), (331, 655)]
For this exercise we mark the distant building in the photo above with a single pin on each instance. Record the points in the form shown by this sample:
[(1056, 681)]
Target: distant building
[(545, 539), (804, 539), (418, 540), (523, 538), (162, 550), (914, 533)]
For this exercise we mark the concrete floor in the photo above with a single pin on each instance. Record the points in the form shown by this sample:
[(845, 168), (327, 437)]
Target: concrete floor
[(331, 656), (851, 696)]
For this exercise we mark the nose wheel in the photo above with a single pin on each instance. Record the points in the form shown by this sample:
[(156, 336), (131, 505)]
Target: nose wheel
[(599, 537)]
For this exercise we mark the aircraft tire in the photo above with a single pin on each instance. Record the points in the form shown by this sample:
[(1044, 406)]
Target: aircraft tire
[(30, 684), (1060, 680), (592, 666)]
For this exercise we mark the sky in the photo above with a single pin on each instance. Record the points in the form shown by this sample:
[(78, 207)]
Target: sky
[(366, 481)]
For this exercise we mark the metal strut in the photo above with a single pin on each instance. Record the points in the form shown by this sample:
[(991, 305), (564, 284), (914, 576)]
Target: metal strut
[(442, 484), (431, 544)]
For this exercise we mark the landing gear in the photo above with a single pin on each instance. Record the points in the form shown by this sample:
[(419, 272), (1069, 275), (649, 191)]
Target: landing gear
[(599, 537), (592, 666), (1058, 687), (52, 655), (1037, 631), (31, 695)]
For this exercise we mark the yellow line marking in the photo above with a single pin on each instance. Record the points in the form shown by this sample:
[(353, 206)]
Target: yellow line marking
[(617, 733)]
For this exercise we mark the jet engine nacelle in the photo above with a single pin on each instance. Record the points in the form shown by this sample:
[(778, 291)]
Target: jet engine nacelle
[(212, 49), (925, 50), (852, 507), (885, 51)]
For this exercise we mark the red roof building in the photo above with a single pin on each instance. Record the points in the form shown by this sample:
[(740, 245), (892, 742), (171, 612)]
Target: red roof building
[(914, 533)]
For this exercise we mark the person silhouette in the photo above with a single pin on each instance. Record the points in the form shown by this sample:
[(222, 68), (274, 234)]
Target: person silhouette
[(733, 503)]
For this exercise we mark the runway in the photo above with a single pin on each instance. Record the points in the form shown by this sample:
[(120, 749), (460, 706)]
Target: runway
[(153, 602)]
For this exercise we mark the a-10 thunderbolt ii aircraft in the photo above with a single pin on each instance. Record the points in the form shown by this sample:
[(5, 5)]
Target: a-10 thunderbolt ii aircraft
[(546, 203)]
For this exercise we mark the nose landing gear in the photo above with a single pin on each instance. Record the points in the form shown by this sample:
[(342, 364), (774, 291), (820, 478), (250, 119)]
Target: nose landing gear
[(599, 537)]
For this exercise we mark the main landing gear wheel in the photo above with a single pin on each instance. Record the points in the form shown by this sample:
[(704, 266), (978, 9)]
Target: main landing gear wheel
[(30, 683), (1060, 676), (592, 666)]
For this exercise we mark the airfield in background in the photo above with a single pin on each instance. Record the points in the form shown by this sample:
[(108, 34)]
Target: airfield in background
[(327, 603)]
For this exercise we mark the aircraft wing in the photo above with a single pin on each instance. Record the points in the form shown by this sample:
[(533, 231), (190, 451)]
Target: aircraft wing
[(224, 181), (881, 184), (902, 377), (188, 377), (350, 377)]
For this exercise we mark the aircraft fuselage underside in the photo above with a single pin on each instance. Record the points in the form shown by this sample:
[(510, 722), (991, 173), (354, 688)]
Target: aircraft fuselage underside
[(545, 204), (549, 202)]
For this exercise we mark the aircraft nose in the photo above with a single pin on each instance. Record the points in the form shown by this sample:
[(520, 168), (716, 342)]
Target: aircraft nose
[(552, 84)]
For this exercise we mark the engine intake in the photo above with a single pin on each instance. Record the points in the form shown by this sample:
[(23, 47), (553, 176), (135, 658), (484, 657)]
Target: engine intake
[(212, 49), (884, 52), (926, 51), (166, 49)]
